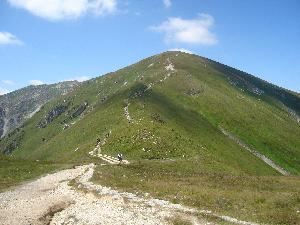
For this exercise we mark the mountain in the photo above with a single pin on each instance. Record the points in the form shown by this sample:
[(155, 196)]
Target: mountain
[(18, 106), (171, 106)]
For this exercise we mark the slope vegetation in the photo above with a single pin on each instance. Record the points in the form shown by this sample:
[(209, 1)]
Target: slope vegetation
[(169, 106), (194, 131)]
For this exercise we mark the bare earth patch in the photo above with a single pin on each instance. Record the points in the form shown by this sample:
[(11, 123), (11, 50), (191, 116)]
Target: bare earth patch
[(51, 200), (69, 197)]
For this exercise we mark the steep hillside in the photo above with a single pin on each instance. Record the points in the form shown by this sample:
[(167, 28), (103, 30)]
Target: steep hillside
[(169, 106), (16, 107)]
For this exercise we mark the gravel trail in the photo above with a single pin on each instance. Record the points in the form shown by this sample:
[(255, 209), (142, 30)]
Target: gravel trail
[(28, 203), (255, 152), (51, 200)]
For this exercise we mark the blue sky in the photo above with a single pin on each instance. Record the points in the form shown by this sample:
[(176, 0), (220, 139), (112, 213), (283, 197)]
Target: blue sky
[(46, 41)]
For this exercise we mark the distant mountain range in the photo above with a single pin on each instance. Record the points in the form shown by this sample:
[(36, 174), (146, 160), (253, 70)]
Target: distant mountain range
[(170, 106), (18, 106)]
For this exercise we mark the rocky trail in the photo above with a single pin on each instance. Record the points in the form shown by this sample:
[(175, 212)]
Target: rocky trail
[(96, 152), (170, 69), (69, 197), (51, 200), (255, 152)]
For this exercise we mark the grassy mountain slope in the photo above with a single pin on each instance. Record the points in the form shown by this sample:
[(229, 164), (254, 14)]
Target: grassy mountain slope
[(16, 107), (14, 172), (165, 115), (177, 102)]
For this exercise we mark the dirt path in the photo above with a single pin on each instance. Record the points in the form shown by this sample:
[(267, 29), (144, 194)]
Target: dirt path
[(51, 200), (29, 202), (255, 152), (96, 152), (126, 111)]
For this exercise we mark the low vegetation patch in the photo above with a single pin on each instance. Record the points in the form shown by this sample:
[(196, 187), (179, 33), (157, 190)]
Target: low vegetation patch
[(13, 172), (262, 199)]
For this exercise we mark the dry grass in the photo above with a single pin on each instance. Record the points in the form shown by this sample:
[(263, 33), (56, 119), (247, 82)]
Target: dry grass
[(263, 199)]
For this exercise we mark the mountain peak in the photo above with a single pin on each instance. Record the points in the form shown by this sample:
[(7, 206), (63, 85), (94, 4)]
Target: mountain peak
[(172, 105)]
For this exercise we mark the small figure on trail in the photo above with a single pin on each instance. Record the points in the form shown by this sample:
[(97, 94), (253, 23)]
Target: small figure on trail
[(98, 141), (120, 157)]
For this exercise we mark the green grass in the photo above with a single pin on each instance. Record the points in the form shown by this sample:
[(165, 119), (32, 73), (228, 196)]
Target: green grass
[(188, 124), (263, 199), (14, 172), (177, 119)]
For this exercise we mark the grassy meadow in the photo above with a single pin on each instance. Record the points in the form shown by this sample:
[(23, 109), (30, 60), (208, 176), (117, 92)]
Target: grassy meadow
[(262, 199)]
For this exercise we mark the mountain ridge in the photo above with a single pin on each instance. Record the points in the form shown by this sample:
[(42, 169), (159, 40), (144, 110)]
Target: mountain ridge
[(17, 106), (171, 106)]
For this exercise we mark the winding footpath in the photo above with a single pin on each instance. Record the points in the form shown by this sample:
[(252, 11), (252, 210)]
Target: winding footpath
[(53, 200), (96, 152)]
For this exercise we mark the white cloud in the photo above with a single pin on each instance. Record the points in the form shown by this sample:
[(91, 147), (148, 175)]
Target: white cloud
[(79, 79), (36, 82), (3, 91), (194, 31), (7, 38), (180, 50), (66, 9), (9, 82), (167, 3)]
